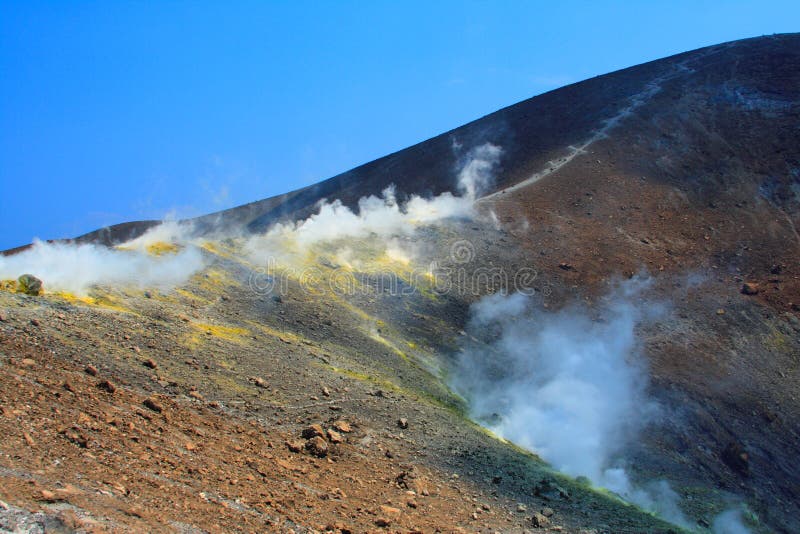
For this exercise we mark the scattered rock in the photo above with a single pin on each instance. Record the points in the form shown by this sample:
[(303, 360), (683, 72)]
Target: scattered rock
[(539, 520), (521, 508), (736, 458), (150, 363), (386, 515), (313, 431), (48, 495), (91, 370), (152, 404), (35, 322), (317, 446), (69, 387), (342, 426), (565, 266), (402, 422), (30, 285), (547, 511), (3, 317), (295, 445), (549, 490), (196, 395), (107, 385), (258, 381), (750, 288), (390, 511), (334, 436), (326, 392)]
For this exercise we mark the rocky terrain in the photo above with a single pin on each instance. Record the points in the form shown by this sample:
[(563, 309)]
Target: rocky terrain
[(312, 398)]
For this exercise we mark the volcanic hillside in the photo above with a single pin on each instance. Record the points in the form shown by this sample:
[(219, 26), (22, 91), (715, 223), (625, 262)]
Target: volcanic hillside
[(293, 364)]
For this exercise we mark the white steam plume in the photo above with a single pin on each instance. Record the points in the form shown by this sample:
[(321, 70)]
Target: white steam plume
[(729, 522), (566, 385), (477, 175), (77, 268), (384, 216)]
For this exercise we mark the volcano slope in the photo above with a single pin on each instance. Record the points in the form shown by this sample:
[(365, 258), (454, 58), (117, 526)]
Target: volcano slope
[(182, 407)]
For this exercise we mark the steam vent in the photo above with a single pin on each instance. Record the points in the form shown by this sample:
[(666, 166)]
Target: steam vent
[(580, 313)]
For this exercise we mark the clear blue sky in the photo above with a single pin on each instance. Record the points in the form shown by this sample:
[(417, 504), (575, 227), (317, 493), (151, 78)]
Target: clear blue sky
[(115, 111)]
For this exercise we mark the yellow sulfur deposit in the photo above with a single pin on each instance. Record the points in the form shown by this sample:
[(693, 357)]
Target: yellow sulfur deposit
[(159, 248), (8, 285)]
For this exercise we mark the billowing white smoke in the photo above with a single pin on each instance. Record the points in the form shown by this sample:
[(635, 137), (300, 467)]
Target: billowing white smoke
[(729, 522), (477, 175), (384, 216), (567, 385), (563, 385), (76, 268)]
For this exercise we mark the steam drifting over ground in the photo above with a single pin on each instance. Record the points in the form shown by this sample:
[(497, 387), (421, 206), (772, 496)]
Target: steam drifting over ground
[(568, 385), (153, 260), (382, 216)]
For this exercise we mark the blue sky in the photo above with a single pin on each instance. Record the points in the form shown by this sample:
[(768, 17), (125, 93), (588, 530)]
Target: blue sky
[(116, 111)]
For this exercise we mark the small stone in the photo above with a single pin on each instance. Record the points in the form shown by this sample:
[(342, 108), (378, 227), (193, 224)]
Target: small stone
[(295, 445), (91, 370), (259, 382), (107, 385), (334, 436), (736, 458), (68, 386), (3, 317), (27, 362), (539, 520), (521, 508), (342, 426), (313, 431), (750, 288), (402, 422), (150, 363), (35, 322), (390, 511), (30, 285), (196, 395), (547, 511), (48, 495), (564, 266), (28, 439), (326, 392), (317, 446), (153, 404)]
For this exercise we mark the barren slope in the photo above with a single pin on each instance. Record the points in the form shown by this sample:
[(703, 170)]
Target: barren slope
[(687, 168)]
